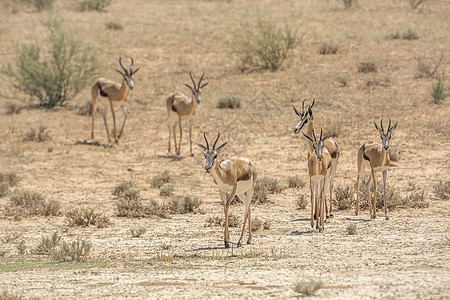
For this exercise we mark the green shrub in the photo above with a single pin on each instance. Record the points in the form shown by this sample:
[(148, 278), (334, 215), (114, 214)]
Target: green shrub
[(160, 179), (59, 77), (415, 3), (343, 197), (121, 188), (349, 3), (25, 203), (438, 92), (308, 288), (301, 201), (184, 205), (442, 189), (231, 102), (264, 46), (295, 182), (98, 5), (86, 217), (367, 67)]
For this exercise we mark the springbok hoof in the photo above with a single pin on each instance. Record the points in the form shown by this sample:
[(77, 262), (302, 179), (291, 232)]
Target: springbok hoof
[(249, 242), (239, 244), (227, 245), (387, 218), (331, 216)]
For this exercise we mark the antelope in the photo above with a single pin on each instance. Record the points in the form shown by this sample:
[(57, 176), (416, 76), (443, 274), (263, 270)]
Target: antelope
[(376, 156), (236, 176), (107, 89), (319, 167), (330, 144), (184, 107)]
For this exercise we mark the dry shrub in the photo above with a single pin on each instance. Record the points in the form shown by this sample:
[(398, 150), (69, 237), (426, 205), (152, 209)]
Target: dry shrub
[(307, 288), (438, 92), (25, 203), (334, 130), (166, 191), (367, 67), (416, 199), (14, 108), (295, 182), (425, 70), (41, 136), (155, 209), (184, 205), (327, 48), (343, 80), (258, 224), (343, 197), (270, 185), (351, 229), (214, 221), (260, 196), (7, 180), (121, 188), (410, 35), (349, 3), (86, 217), (112, 25), (21, 247), (231, 102), (442, 189), (159, 180), (86, 109), (233, 221), (48, 244), (5, 295), (130, 204), (97, 5), (137, 232), (301, 201), (394, 155), (393, 198), (12, 237), (415, 3)]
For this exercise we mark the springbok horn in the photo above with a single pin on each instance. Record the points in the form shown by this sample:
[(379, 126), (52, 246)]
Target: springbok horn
[(215, 142)]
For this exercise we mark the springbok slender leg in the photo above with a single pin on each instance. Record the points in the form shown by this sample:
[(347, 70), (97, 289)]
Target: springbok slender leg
[(105, 115), (170, 133), (181, 135), (93, 113), (249, 199), (322, 206), (384, 194), (246, 214), (223, 196), (125, 115), (175, 135), (369, 195), (374, 194), (312, 202)]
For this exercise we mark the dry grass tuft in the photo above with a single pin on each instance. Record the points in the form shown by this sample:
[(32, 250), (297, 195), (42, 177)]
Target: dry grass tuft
[(301, 201), (367, 67), (166, 191), (184, 205), (393, 198), (343, 197), (86, 109), (130, 204), (425, 70), (231, 102), (159, 180), (296, 182), (442, 189), (86, 217), (137, 232), (307, 288), (394, 155), (48, 244), (9, 238), (112, 25), (25, 203), (410, 35), (22, 247), (270, 185), (327, 48), (233, 221), (97, 5), (58, 249), (351, 229)]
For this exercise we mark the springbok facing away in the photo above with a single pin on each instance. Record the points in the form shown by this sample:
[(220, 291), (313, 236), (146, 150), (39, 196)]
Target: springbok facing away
[(330, 144), (236, 176), (319, 167), (372, 154), (184, 107), (114, 92)]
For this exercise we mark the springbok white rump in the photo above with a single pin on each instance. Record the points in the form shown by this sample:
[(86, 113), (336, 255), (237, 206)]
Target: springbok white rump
[(114, 92), (184, 107), (376, 156), (236, 176)]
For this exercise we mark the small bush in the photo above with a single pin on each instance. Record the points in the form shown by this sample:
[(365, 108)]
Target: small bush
[(97, 5), (343, 197), (12, 237), (231, 102), (271, 185), (260, 196), (48, 244), (233, 221), (41, 4), (327, 48), (415, 3), (185, 205), (77, 250), (257, 224), (264, 46), (41, 136), (214, 221), (438, 92), (410, 35), (14, 108), (121, 188), (343, 80), (25, 202), (137, 232), (114, 26), (296, 182), (351, 229), (155, 209), (427, 71), (59, 76), (393, 198), (86, 217), (442, 189), (307, 288), (159, 180), (301, 201), (416, 199), (86, 109), (166, 191), (349, 3), (367, 67), (7, 180)]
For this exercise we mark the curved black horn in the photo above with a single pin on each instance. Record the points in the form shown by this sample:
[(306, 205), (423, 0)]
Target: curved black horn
[(296, 111), (314, 101), (125, 69), (303, 106), (389, 127), (314, 135), (132, 64), (215, 142), (207, 144), (201, 78), (190, 74), (381, 123)]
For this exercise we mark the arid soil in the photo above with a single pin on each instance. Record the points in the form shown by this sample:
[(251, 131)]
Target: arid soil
[(406, 257)]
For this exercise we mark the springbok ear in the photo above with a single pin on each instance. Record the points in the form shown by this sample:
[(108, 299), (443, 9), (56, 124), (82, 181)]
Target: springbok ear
[(376, 126), (203, 85), (308, 137), (296, 111), (135, 71), (222, 147), (310, 112), (393, 127), (200, 145), (120, 72)]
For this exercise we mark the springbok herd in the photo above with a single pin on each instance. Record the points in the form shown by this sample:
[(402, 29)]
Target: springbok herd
[(237, 175)]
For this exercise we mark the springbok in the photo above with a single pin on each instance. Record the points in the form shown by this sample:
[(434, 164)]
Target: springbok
[(184, 107), (236, 176), (114, 92), (319, 167), (330, 144), (375, 156)]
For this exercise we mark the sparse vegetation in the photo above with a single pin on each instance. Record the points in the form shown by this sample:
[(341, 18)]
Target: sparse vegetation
[(328, 48), (121, 188), (367, 67), (40, 5), (25, 203), (233, 221), (160, 179), (137, 232), (184, 205), (166, 191), (308, 288), (264, 186), (351, 229), (438, 92), (301, 201), (264, 46), (343, 197), (59, 77), (295, 182), (97, 5), (442, 189), (14, 108), (7, 180), (112, 25), (6, 295), (231, 102), (427, 71), (394, 155), (21, 247), (410, 35), (48, 244), (41, 136), (86, 109), (86, 217), (257, 224), (415, 3), (59, 249), (131, 205)]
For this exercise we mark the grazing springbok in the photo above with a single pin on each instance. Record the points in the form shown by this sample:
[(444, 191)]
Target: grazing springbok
[(319, 167), (376, 156), (330, 144), (184, 107), (236, 176), (105, 89)]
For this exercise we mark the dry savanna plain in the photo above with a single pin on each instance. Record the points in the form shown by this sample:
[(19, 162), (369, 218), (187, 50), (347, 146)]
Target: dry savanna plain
[(166, 255)]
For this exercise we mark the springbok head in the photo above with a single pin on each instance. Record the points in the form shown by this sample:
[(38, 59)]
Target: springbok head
[(128, 75), (304, 116), (317, 144), (197, 89), (211, 154), (385, 137)]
